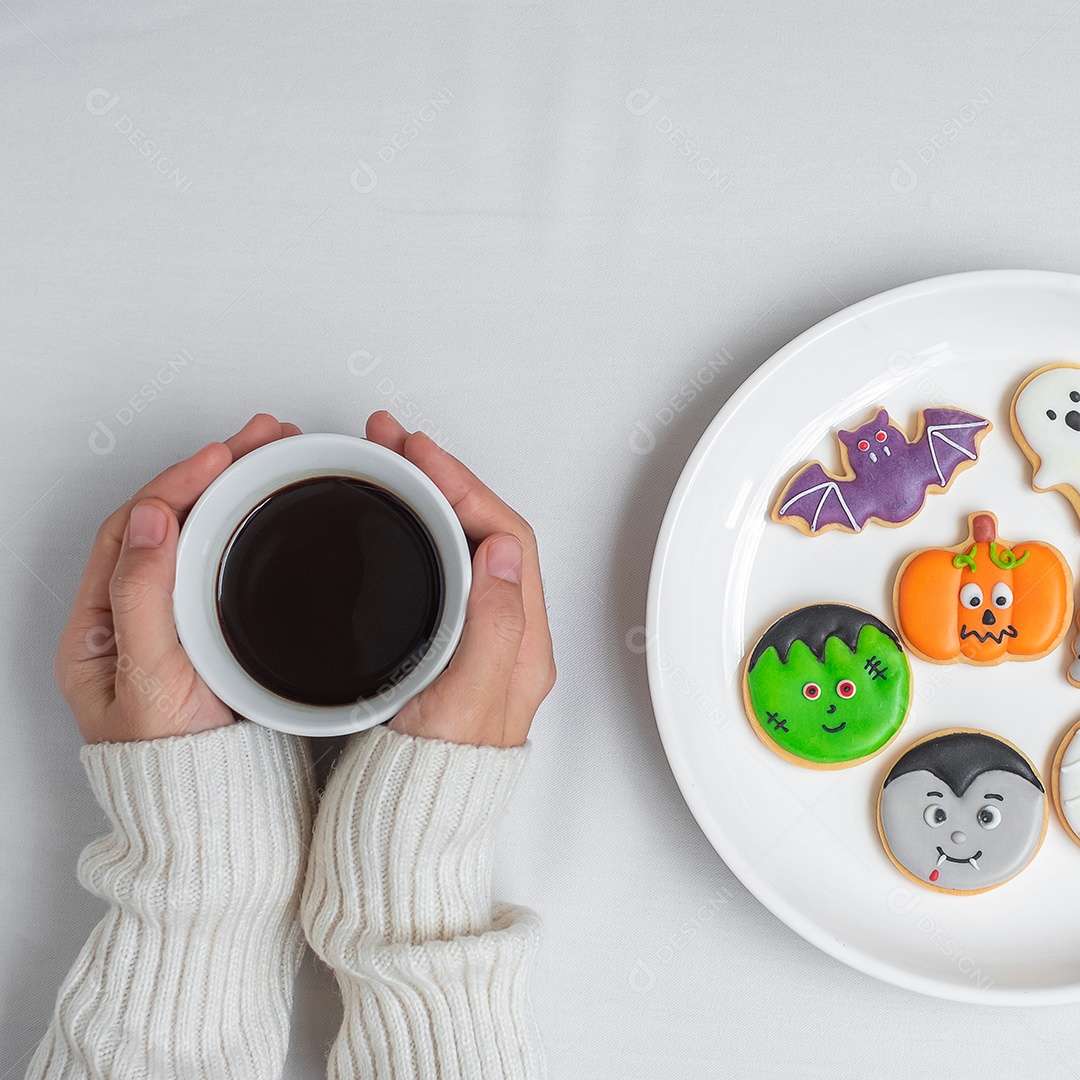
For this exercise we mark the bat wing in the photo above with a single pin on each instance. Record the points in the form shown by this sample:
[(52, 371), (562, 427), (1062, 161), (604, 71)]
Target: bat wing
[(952, 438), (817, 498)]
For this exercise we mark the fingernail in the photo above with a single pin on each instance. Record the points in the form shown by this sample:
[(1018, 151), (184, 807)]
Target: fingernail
[(148, 526), (504, 559), (424, 435)]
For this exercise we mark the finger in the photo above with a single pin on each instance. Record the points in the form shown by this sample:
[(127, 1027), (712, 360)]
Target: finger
[(383, 429), (479, 509), (259, 430), (149, 656), (179, 486), (88, 631), (289, 429), (472, 692), (481, 513)]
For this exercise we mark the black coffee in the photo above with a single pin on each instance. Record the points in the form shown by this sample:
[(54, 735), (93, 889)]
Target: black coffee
[(330, 590)]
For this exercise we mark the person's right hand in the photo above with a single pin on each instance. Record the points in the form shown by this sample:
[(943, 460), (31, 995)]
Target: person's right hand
[(503, 666), (119, 662)]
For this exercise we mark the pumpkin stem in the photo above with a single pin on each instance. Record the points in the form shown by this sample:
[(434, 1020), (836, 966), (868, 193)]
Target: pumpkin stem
[(983, 528)]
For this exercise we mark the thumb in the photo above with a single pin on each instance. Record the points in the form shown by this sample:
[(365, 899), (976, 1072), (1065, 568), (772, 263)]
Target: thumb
[(494, 625), (140, 591)]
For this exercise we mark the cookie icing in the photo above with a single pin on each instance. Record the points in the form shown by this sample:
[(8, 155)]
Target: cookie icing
[(885, 477), (1046, 410), (1067, 782), (962, 811), (827, 685), (984, 601), (1074, 667)]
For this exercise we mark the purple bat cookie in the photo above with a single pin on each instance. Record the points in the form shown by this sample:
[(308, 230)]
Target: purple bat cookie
[(886, 478)]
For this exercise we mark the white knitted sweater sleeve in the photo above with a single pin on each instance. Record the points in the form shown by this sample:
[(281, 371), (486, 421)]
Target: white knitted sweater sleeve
[(397, 900), (189, 976)]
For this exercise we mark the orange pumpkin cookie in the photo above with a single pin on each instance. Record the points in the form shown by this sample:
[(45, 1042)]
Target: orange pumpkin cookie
[(985, 600)]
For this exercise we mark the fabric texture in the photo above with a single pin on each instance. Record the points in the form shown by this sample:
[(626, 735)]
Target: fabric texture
[(397, 900), (189, 976), (190, 973)]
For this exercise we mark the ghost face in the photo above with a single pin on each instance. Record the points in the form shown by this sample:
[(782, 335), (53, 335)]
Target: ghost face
[(963, 843), (1048, 415)]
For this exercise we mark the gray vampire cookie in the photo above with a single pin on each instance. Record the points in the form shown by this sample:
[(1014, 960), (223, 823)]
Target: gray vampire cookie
[(962, 811)]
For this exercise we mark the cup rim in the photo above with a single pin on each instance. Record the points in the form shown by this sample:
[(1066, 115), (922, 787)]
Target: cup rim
[(225, 503)]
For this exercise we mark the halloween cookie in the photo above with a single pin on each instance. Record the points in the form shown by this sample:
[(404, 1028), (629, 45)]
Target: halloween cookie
[(985, 600), (827, 686), (1045, 420), (1074, 667), (884, 476), (962, 811), (1065, 783)]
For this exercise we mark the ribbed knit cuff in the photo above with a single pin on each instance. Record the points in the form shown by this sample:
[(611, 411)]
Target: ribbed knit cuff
[(215, 823), (409, 824), (190, 973), (397, 900)]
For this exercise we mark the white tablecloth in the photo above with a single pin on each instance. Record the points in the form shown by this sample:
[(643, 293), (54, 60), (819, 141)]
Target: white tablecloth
[(556, 236)]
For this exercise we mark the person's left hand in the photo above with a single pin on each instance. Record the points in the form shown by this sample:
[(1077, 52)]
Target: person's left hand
[(119, 662)]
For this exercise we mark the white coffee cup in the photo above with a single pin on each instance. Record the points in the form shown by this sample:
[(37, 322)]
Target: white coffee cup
[(224, 506)]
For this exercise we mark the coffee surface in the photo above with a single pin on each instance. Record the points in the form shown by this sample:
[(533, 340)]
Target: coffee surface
[(329, 591)]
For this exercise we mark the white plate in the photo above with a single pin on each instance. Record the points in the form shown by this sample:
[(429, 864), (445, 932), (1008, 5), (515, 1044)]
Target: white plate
[(805, 841)]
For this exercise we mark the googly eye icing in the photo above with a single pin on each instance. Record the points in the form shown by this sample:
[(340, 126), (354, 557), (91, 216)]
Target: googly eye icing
[(864, 445), (811, 691), (934, 815), (881, 436), (971, 595), (989, 817), (1001, 595), (845, 689)]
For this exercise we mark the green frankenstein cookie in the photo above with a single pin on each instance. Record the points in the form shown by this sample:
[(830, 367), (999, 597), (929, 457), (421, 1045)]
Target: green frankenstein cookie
[(827, 686)]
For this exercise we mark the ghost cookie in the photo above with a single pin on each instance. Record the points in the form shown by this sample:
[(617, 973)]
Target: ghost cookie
[(884, 476), (1046, 423), (1065, 783), (962, 811), (827, 686), (984, 601)]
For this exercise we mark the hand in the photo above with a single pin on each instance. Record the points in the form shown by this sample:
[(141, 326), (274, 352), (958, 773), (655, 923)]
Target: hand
[(119, 662), (503, 667)]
